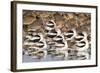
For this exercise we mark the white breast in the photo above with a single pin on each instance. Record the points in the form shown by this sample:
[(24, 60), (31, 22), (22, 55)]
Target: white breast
[(85, 46)]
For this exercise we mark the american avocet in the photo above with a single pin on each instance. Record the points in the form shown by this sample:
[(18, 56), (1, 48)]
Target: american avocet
[(70, 34), (51, 33), (80, 36), (35, 38), (82, 42), (61, 46), (82, 45), (50, 25)]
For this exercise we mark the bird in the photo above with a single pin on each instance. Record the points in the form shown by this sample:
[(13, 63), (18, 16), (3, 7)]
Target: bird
[(37, 42), (70, 34), (82, 43), (50, 25), (32, 39), (58, 38), (41, 46), (81, 36), (36, 38), (51, 29), (51, 34), (60, 41), (48, 28), (38, 51), (28, 40), (61, 46)]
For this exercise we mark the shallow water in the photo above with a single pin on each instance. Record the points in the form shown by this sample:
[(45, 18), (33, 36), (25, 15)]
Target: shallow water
[(48, 58), (71, 56)]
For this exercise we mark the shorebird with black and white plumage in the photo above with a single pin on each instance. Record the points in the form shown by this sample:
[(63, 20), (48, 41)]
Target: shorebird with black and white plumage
[(81, 36), (82, 44), (70, 34), (41, 53), (41, 45), (61, 46), (29, 35), (50, 29), (31, 40), (37, 40), (50, 25), (81, 41), (51, 32)]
